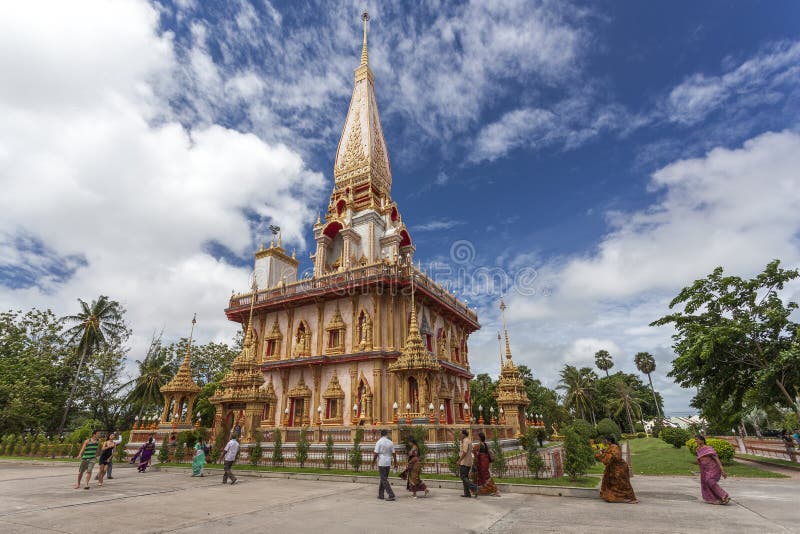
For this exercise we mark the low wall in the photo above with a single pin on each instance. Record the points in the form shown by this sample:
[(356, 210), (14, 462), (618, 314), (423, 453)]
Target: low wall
[(530, 489)]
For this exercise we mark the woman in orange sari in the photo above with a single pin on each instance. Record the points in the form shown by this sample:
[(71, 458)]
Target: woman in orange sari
[(616, 485), (483, 475), (414, 482)]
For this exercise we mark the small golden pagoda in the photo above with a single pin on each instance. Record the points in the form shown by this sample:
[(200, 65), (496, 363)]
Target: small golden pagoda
[(180, 393), (512, 399), (240, 401), (416, 370)]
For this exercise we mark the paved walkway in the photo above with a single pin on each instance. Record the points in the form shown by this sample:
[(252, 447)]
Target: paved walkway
[(41, 498)]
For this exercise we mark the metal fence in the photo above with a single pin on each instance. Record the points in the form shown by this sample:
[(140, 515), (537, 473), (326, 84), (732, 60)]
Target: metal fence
[(436, 461)]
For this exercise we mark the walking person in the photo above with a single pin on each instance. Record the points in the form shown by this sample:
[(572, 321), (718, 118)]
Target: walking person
[(710, 471), (386, 457), (465, 464), (616, 484), (106, 452), (414, 482), (483, 461), (145, 454), (199, 460), (88, 454), (111, 459), (229, 454)]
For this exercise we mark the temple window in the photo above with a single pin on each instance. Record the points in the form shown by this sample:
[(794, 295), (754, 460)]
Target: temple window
[(336, 334)]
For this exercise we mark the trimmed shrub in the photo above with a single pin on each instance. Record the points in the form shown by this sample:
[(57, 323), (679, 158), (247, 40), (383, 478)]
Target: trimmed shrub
[(163, 452), (327, 459), (356, 458), (579, 454), (641, 435), (658, 426), (725, 450), (608, 427), (452, 459), (676, 437), (301, 452), (277, 449), (638, 427), (533, 460), (583, 428), (499, 463), (256, 451), (120, 454), (419, 433)]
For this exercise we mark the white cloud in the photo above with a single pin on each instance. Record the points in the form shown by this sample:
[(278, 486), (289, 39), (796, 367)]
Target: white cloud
[(765, 78), (100, 182), (435, 225), (732, 207)]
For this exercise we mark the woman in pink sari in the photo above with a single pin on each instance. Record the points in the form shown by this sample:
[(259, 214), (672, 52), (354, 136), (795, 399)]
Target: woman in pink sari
[(710, 471)]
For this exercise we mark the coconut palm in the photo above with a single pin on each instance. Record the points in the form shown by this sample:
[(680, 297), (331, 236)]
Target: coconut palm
[(626, 399), (97, 324), (155, 371), (603, 361), (647, 364), (579, 386)]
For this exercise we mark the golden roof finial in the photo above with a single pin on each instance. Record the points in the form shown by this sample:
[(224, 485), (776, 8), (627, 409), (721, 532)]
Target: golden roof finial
[(364, 53), (189, 346), (505, 328), (500, 348), (248, 336)]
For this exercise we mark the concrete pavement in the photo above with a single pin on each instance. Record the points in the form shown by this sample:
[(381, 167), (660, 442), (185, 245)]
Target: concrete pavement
[(41, 498)]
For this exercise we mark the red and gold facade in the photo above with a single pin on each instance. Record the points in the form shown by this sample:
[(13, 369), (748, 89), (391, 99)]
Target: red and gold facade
[(349, 346)]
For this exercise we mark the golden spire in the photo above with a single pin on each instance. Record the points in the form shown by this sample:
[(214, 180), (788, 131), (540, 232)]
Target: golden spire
[(500, 347), (189, 346), (505, 328), (248, 336), (414, 354), (364, 53)]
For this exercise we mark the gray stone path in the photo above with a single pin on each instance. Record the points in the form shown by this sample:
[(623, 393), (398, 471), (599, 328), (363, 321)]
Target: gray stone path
[(41, 498)]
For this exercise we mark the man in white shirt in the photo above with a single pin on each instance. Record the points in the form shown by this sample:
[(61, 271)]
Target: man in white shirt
[(229, 457), (385, 455)]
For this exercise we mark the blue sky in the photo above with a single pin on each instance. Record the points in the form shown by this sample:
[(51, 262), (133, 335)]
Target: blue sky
[(602, 155)]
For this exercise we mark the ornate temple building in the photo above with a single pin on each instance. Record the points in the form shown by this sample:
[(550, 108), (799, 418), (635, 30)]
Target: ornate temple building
[(351, 345)]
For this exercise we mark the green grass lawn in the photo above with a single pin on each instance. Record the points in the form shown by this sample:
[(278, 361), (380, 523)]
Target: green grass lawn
[(772, 461), (651, 456)]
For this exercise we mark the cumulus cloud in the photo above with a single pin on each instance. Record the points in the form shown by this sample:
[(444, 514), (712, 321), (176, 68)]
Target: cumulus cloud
[(104, 190), (732, 207)]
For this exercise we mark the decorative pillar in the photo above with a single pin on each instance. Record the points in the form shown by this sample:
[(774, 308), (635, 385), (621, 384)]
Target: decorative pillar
[(290, 335)]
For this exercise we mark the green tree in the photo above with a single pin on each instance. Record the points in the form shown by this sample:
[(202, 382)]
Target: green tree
[(356, 458), (256, 452), (301, 451), (533, 459), (646, 364), (499, 463), (734, 335), (33, 370), (603, 360), (277, 449), (455, 454), (627, 400), (481, 391), (543, 400), (327, 459), (94, 326), (608, 427), (578, 454), (579, 386), (155, 371), (163, 452)]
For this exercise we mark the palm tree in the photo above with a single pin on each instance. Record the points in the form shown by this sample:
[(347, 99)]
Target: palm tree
[(603, 361), (580, 389), (94, 327), (626, 399), (647, 364), (155, 371)]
